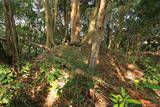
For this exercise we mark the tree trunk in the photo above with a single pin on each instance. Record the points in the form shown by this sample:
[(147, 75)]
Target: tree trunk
[(66, 22), (109, 36), (55, 16), (75, 21), (11, 36), (3, 57), (50, 20), (110, 42), (92, 25), (98, 35)]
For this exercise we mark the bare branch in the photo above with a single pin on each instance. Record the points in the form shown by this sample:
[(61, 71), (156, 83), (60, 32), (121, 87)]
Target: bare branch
[(3, 39), (39, 45)]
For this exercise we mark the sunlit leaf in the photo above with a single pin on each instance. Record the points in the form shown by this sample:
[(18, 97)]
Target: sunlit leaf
[(2, 76), (122, 104), (114, 100), (116, 105), (123, 92)]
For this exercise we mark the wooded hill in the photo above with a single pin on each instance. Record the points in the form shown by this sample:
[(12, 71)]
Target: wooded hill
[(80, 53)]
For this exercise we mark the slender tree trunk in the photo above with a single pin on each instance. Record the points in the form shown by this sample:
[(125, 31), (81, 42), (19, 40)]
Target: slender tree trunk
[(3, 57), (55, 16), (109, 36), (11, 36), (75, 21), (66, 22), (48, 23), (110, 42), (98, 35), (50, 20), (138, 44), (117, 45), (92, 24)]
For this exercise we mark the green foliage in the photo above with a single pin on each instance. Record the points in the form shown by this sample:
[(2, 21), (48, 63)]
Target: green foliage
[(123, 100), (75, 90), (9, 91), (8, 87), (52, 76), (148, 8), (152, 71), (151, 79), (21, 99), (129, 22), (6, 76), (130, 59), (26, 66), (75, 57), (52, 68), (152, 86), (55, 75)]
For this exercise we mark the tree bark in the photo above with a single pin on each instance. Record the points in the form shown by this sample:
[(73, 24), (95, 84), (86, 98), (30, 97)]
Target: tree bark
[(98, 35), (3, 57), (92, 25), (66, 22), (50, 20), (55, 16), (75, 21), (11, 36)]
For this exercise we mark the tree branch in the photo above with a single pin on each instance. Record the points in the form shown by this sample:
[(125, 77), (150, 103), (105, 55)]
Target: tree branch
[(39, 45), (3, 39), (30, 43)]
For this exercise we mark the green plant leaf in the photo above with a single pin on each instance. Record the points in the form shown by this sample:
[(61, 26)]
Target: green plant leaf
[(123, 92), (115, 96), (2, 76), (120, 97), (114, 100), (52, 77), (127, 97), (122, 104), (116, 105), (132, 101)]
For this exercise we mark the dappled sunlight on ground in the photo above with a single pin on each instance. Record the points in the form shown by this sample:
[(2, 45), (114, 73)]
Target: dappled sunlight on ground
[(100, 100), (80, 86), (134, 71), (51, 98), (131, 66), (123, 75)]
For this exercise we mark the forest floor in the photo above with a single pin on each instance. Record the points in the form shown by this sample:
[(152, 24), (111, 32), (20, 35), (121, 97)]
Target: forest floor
[(61, 78)]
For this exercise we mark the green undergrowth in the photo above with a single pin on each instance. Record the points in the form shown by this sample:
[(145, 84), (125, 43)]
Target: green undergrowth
[(66, 73), (11, 89), (69, 76), (151, 78), (149, 65), (124, 100), (151, 73)]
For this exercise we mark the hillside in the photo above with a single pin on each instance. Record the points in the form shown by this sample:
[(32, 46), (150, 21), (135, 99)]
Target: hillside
[(62, 78)]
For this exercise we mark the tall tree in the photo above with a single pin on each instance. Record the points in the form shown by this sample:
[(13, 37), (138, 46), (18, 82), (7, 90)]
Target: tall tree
[(2, 54), (66, 21), (51, 11), (11, 36), (75, 21), (92, 24), (98, 35)]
